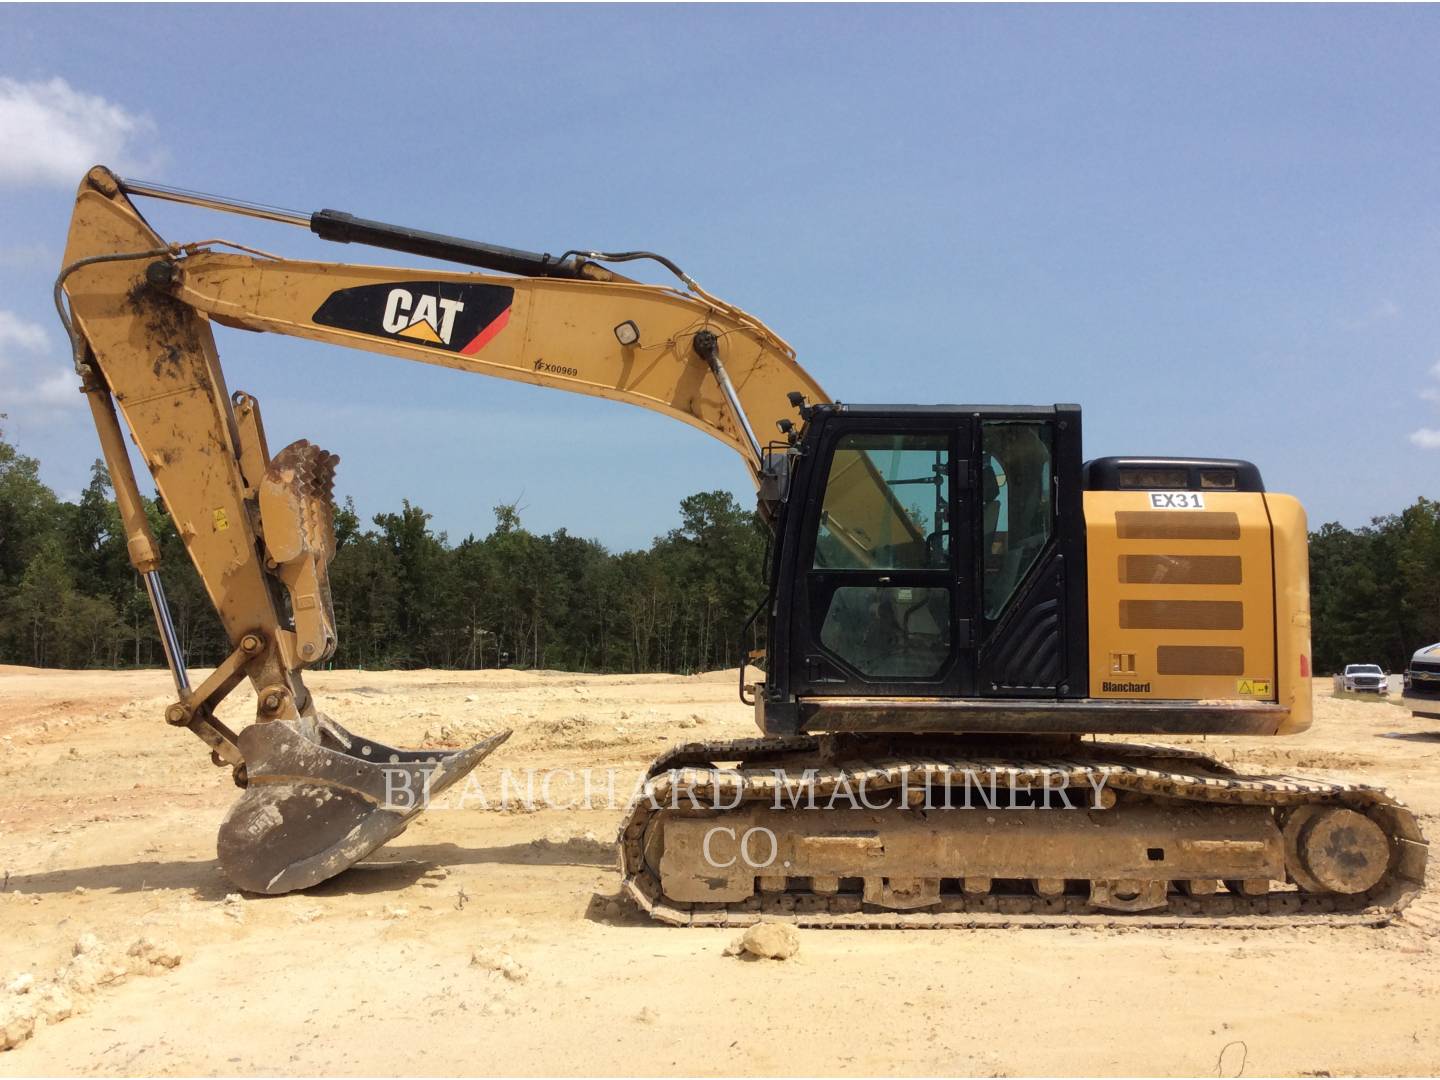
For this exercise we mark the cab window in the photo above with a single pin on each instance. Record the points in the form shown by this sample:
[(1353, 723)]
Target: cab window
[(887, 502), (889, 631)]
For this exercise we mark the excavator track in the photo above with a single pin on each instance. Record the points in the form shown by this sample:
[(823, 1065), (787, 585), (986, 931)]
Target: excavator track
[(691, 781)]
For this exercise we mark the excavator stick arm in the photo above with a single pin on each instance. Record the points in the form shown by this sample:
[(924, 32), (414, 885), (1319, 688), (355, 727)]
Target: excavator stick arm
[(156, 358)]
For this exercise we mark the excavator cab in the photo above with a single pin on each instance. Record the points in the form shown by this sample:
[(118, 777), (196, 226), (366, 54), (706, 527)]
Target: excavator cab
[(921, 544), (963, 569)]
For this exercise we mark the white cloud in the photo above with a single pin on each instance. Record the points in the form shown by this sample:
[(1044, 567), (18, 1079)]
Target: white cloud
[(52, 133), (56, 388), (29, 374), (18, 333)]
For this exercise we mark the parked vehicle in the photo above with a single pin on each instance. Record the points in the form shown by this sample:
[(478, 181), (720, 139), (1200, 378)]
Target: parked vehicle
[(1362, 679), (1422, 682)]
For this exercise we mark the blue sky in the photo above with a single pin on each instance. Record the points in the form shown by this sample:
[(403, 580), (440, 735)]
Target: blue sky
[(1216, 228)]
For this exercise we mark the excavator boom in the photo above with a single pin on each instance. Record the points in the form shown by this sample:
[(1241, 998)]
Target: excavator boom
[(572, 326)]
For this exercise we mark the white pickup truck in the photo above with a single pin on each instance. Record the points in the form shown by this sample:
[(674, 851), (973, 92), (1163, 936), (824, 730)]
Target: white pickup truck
[(1362, 679)]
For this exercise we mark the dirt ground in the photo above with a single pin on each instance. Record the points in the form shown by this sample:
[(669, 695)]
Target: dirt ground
[(483, 939)]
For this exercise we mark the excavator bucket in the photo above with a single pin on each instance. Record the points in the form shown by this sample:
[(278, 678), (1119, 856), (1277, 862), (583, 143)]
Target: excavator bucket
[(318, 801), (318, 798)]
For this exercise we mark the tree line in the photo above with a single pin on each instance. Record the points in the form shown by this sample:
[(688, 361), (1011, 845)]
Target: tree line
[(1375, 591), (405, 596)]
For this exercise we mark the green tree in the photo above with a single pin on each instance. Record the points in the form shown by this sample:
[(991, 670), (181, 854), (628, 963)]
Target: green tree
[(1375, 591), (29, 511)]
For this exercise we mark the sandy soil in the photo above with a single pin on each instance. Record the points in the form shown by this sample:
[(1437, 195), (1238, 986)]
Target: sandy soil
[(484, 940)]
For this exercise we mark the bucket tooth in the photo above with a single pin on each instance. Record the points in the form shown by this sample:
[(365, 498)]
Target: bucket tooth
[(313, 808)]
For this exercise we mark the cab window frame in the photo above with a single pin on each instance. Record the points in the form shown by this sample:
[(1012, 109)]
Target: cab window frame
[(992, 605), (953, 574)]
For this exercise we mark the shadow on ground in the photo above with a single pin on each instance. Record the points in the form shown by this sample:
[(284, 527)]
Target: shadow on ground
[(614, 909), (202, 877), (396, 869)]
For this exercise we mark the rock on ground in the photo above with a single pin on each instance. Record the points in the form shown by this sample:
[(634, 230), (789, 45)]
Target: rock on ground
[(500, 962), (767, 941)]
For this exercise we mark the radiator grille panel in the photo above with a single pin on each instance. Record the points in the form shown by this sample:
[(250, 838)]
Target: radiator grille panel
[(1182, 615), (1200, 660), (1180, 569), (1176, 525)]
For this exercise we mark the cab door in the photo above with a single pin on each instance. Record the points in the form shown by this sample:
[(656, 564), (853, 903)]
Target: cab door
[(884, 591)]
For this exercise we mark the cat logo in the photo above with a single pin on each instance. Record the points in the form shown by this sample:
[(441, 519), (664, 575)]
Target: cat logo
[(430, 318), (457, 317)]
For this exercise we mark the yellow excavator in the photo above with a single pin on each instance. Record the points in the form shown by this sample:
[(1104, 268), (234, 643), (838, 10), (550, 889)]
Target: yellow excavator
[(959, 604)]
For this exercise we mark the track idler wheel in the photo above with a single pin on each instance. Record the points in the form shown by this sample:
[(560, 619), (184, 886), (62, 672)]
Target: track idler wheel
[(314, 806), (1332, 849)]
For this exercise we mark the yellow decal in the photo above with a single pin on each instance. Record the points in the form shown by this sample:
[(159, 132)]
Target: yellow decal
[(421, 331), (222, 522), (1253, 687)]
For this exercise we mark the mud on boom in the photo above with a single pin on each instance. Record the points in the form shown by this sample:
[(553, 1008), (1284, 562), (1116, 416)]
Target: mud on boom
[(954, 592)]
